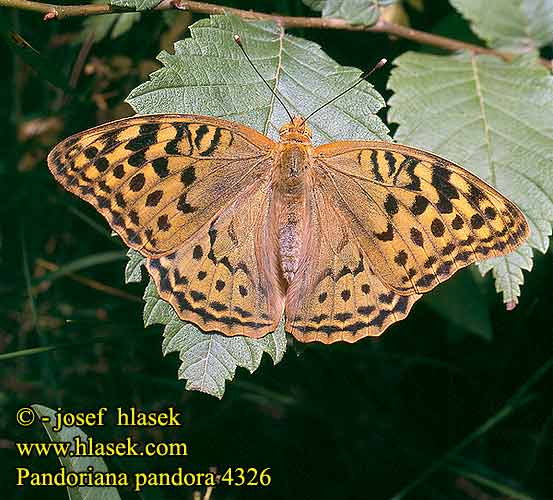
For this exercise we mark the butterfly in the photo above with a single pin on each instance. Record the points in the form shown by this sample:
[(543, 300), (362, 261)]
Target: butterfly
[(238, 229)]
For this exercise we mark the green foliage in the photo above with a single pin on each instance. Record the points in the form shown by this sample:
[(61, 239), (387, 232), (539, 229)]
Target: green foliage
[(511, 24), (209, 75), (354, 11), (488, 116), (47, 417)]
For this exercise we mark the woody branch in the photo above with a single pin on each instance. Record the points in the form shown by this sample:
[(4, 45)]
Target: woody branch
[(53, 11)]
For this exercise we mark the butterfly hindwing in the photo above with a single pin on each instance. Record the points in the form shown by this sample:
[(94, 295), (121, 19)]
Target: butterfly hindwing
[(219, 279), (160, 179), (418, 217), (336, 296)]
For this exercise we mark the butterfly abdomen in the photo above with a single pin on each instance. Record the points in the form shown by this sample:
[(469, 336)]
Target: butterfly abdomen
[(290, 205)]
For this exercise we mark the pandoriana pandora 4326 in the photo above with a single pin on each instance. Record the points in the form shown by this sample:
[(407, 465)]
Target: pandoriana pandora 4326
[(238, 229)]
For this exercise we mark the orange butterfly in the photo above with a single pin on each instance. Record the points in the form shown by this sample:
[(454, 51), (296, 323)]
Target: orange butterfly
[(238, 230)]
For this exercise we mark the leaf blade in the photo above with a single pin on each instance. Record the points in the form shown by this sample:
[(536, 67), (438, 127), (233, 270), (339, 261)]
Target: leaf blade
[(209, 75), (512, 24)]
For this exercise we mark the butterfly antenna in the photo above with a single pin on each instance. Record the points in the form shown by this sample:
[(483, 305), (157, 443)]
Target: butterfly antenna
[(362, 78), (239, 43)]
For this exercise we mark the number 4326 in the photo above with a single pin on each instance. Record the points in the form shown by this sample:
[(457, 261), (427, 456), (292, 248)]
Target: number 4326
[(238, 476)]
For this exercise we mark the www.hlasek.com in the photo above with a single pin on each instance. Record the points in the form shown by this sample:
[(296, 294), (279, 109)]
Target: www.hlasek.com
[(86, 446)]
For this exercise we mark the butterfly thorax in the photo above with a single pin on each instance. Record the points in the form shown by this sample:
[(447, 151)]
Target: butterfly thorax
[(291, 183)]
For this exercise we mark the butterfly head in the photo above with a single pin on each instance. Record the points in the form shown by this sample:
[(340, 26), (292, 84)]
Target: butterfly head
[(295, 131)]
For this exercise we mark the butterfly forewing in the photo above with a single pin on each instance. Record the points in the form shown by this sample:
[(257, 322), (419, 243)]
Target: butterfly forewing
[(418, 217), (191, 194), (160, 179)]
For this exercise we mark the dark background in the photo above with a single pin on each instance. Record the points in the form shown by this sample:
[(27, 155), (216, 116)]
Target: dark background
[(343, 421)]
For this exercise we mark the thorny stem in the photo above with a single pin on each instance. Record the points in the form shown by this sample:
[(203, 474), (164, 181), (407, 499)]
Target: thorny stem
[(52, 11)]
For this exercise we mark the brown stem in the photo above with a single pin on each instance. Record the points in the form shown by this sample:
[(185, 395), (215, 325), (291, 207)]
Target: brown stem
[(52, 11)]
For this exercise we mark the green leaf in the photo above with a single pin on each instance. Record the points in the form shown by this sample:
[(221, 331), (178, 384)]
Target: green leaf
[(355, 11), (209, 75), (510, 24), (494, 119), (76, 464), (136, 4)]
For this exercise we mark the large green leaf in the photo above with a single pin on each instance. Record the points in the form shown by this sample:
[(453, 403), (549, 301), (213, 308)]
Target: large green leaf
[(513, 24), (496, 120), (355, 11), (209, 75), (77, 464)]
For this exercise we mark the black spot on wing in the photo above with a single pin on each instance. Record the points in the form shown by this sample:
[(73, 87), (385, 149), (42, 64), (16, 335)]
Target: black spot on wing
[(101, 164), (391, 160), (416, 237), (119, 171), (457, 222), (90, 152), (154, 198), (391, 205), (141, 142), (197, 252), (137, 159), (440, 180), (387, 235), (183, 205), (160, 167), (409, 164), (202, 130), (437, 227), (137, 182), (401, 258), (188, 176), (419, 205), (163, 223), (476, 221)]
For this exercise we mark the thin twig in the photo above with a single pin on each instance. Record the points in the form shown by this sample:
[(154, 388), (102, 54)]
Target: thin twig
[(52, 11)]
